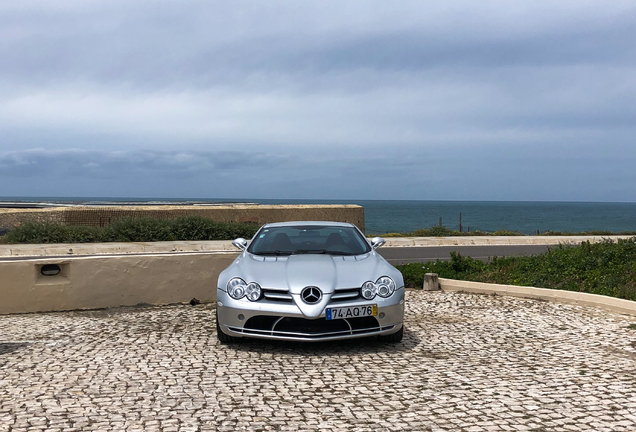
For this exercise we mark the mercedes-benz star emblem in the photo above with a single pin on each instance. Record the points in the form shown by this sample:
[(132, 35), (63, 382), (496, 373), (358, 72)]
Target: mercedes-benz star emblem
[(311, 295)]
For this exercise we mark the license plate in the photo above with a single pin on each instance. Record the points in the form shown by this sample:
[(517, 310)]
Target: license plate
[(351, 312)]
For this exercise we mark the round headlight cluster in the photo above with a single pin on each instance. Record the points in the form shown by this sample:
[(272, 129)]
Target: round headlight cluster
[(384, 287), (253, 291), (369, 290), (237, 289)]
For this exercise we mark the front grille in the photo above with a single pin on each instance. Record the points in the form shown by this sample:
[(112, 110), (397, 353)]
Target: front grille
[(345, 294), (283, 295), (277, 294), (263, 325)]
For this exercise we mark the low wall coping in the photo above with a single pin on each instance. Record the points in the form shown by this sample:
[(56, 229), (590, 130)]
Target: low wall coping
[(611, 304), (114, 248), (74, 249)]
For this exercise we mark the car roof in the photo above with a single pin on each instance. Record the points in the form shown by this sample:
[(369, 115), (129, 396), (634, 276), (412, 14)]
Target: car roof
[(301, 223)]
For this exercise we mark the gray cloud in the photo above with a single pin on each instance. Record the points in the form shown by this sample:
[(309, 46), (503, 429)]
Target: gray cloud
[(308, 100), (40, 162), (502, 172), (194, 44)]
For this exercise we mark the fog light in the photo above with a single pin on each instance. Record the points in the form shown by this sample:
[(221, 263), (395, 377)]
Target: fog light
[(381, 315), (241, 317)]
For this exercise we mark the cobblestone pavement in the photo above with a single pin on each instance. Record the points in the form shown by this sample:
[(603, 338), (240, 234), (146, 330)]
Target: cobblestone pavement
[(467, 363)]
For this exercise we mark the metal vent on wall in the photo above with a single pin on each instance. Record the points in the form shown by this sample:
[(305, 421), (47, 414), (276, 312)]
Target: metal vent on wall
[(50, 270)]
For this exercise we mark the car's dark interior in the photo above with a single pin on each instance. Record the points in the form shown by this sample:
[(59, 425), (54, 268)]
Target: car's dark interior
[(328, 240)]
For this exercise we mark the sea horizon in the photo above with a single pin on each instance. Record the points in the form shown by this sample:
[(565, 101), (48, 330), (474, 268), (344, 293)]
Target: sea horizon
[(180, 199)]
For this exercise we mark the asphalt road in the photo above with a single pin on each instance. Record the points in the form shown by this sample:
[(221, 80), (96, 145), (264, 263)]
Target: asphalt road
[(403, 255)]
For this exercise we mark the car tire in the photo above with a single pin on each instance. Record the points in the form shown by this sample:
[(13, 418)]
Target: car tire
[(393, 338), (223, 338)]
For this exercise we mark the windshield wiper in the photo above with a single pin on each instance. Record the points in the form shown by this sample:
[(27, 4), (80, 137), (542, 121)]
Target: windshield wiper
[(276, 252), (320, 251)]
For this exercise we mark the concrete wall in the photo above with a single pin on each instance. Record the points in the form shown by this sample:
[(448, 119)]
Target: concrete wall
[(260, 214), (93, 282), (109, 281)]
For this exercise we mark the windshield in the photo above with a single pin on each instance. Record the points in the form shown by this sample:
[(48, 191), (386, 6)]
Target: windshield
[(306, 239)]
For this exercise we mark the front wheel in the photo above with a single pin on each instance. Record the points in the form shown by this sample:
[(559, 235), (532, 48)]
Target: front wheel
[(393, 338), (223, 338)]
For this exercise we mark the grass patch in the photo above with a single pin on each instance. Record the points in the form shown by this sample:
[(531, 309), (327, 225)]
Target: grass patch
[(132, 230), (606, 268)]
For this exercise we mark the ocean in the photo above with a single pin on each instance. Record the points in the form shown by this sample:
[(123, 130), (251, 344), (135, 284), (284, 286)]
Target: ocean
[(383, 216)]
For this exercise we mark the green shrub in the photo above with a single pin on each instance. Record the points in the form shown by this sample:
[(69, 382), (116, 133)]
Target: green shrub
[(138, 230), (34, 232), (607, 268), (200, 228), (458, 267), (507, 233), (413, 274), (132, 230), (435, 231)]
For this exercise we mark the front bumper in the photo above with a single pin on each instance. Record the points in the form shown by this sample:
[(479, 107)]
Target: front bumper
[(271, 320)]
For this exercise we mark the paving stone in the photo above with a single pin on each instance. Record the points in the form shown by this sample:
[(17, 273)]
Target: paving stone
[(467, 363)]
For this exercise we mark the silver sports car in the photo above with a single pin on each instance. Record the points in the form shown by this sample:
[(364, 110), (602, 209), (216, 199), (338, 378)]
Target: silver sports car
[(310, 281)]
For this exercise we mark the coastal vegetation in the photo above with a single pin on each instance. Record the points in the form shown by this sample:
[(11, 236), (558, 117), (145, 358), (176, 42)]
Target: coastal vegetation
[(132, 230), (442, 231), (201, 228), (606, 268)]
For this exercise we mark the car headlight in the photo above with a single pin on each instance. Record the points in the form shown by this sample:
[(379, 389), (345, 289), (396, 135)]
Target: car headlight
[(385, 286), (236, 288), (368, 290), (253, 291)]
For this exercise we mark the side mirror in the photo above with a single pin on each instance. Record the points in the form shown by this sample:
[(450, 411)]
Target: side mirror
[(376, 242), (240, 243)]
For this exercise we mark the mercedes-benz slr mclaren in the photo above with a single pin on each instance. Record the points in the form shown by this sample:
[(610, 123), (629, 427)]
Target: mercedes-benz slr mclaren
[(310, 281)]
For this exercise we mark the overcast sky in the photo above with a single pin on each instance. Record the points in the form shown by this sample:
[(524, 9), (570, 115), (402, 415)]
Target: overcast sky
[(452, 100)]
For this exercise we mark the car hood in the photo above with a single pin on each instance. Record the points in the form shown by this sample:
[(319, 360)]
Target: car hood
[(296, 272)]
